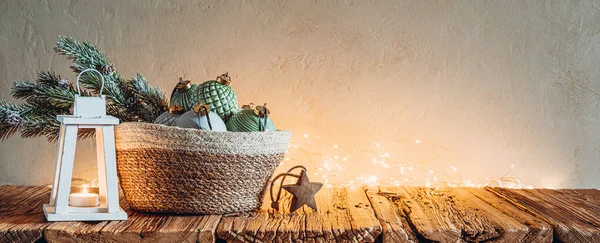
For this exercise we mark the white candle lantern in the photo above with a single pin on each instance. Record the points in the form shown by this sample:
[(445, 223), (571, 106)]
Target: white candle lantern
[(88, 112)]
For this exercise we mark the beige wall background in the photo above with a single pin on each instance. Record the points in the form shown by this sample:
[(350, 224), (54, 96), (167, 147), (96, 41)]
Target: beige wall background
[(496, 82)]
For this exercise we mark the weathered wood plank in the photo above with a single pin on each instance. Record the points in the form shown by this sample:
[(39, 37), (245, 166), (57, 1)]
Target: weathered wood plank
[(74, 231), (448, 214), (161, 228), (459, 215), (574, 214), (21, 215), (392, 217), (22, 220), (140, 227), (344, 216), (539, 230), (265, 225)]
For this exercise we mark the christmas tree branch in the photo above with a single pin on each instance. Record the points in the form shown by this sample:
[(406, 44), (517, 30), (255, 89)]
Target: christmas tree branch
[(152, 99), (84, 55), (135, 99), (50, 95), (10, 119)]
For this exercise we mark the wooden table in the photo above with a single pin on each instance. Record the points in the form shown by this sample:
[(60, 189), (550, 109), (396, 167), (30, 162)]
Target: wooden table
[(399, 214)]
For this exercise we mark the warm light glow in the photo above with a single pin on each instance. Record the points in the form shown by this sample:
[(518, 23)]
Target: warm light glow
[(386, 168), (84, 188), (371, 180)]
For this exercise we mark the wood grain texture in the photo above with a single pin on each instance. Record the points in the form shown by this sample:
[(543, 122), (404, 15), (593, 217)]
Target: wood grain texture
[(539, 230), (574, 214), (392, 216), (399, 214), (22, 220), (21, 215), (458, 215), (140, 227), (344, 216)]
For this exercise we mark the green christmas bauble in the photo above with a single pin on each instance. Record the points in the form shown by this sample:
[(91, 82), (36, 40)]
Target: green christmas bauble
[(219, 95), (185, 94), (247, 120), (169, 117)]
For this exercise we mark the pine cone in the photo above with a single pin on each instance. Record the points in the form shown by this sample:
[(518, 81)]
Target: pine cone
[(107, 69)]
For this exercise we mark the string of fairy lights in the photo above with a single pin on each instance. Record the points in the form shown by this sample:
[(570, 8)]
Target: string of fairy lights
[(331, 164), (331, 161)]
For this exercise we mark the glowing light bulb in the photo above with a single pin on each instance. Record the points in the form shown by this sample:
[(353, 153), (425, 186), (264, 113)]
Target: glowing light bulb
[(312, 151), (371, 180), (454, 168)]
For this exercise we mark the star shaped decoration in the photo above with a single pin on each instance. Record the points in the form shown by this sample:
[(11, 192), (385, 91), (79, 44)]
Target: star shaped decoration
[(303, 192)]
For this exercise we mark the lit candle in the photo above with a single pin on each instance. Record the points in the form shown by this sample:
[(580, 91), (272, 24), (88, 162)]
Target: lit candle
[(84, 199)]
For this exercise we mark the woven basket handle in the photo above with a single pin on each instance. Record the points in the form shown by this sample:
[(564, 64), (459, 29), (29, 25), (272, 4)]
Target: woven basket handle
[(86, 70)]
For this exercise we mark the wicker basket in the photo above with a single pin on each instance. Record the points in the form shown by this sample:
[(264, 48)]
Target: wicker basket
[(177, 170)]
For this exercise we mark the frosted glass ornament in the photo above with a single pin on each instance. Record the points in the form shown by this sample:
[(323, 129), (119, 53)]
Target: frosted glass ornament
[(200, 120), (170, 117)]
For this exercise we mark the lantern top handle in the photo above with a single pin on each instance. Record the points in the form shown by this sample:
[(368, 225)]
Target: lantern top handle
[(89, 69)]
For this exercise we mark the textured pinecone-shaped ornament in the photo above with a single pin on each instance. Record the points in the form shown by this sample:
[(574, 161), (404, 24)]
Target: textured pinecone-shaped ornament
[(251, 119), (170, 117), (185, 94), (219, 95), (201, 117)]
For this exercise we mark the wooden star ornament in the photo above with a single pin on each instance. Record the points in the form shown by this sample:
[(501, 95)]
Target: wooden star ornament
[(303, 192)]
